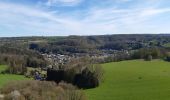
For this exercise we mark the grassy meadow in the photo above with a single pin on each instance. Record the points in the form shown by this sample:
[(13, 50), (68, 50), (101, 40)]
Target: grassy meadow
[(125, 80), (134, 80), (5, 78), (167, 45)]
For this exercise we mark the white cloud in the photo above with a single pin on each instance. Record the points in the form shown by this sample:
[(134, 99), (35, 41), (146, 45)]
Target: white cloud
[(152, 11), (18, 17), (25, 19), (62, 2)]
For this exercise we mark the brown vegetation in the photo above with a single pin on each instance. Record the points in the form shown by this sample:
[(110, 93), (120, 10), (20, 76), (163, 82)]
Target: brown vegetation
[(41, 90)]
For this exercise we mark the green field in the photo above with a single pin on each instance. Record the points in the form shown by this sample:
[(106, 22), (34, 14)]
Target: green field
[(167, 45), (134, 80), (5, 78)]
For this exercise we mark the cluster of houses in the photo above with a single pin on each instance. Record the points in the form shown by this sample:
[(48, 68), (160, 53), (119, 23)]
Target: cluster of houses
[(59, 59), (56, 59)]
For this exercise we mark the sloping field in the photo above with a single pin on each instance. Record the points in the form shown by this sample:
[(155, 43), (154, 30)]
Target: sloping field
[(5, 78), (134, 80), (167, 45)]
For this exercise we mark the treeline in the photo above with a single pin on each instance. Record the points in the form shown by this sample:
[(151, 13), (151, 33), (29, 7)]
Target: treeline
[(93, 44), (153, 53), (143, 53), (20, 58), (88, 44)]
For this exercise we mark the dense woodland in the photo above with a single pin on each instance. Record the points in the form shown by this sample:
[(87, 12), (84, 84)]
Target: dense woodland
[(91, 44)]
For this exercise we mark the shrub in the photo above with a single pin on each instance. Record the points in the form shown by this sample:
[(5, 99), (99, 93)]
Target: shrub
[(81, 73), (148, 58), (90, 77), (168, 58), (98, 71), (42, 90)]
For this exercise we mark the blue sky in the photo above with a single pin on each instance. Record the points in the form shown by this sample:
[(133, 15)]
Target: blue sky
[(83, 17)]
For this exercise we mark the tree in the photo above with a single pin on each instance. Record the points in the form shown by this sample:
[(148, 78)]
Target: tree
[(148, 58)]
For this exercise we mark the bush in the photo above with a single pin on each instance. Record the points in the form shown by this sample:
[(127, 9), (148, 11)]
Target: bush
[(148, 58), (98, 71), (41, 90), (168, 58), (90, 77), (81, 73)]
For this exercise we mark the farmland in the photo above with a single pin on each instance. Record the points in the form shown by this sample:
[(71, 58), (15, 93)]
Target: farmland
[(134, 80)]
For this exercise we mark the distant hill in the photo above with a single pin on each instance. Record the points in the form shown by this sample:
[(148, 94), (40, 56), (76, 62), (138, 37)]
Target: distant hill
[(91, 44)]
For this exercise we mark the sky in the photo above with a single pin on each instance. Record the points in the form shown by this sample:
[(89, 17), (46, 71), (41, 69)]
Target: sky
[(83, 17)]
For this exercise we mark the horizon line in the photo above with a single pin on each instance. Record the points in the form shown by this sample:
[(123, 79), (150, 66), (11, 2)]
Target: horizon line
[(82, 35)]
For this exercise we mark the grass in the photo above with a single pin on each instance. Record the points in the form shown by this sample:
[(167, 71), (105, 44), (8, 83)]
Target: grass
[(2, 67), (134, 80), (5, 78), (167, 45)]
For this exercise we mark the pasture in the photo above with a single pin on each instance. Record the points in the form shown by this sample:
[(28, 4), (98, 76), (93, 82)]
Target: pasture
[(134, 80), (5, 78)]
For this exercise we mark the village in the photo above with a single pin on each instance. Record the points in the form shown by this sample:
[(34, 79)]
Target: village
[(60, 59)]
